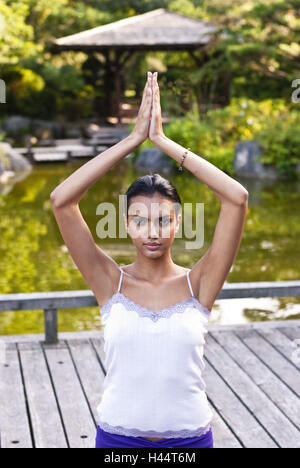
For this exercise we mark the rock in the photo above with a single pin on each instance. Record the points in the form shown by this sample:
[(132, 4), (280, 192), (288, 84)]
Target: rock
[(153, 159), (90, 129), (8, 179), (72, 130), (5, 176), (41, 129), (247, 163), (12, 125), (44, 129), (13, 168), (12, 160)]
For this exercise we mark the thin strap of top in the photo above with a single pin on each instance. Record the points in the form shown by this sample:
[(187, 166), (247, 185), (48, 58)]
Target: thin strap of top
[(120, 281), (189, 282), (187, 276)]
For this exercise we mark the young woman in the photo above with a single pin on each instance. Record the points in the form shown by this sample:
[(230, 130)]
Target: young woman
[(154, 394)]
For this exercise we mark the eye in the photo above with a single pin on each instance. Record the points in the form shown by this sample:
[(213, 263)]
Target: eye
[(164, 221), (140, 221)]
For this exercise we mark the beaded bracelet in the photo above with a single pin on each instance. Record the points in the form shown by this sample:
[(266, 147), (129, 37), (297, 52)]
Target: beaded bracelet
[(183, 158)]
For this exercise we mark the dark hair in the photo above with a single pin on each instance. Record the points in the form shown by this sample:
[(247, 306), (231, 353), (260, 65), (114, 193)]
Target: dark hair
[(148, 185)]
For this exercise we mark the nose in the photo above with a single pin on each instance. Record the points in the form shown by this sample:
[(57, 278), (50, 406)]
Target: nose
[(153, 231)]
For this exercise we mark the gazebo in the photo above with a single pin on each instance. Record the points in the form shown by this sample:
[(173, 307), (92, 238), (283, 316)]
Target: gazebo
[(158, 29)]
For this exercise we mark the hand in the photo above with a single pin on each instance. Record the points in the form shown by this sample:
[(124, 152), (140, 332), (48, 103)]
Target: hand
[(141, 129), (155, 128)]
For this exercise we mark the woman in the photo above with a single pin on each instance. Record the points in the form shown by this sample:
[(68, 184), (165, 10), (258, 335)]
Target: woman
[(154, 394)]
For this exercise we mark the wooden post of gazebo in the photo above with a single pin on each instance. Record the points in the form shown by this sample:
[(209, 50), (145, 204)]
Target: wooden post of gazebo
[(113, 79)]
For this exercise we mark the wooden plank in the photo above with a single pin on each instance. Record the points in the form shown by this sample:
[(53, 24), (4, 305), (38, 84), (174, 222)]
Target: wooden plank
[(223, 437), (237, 416), (57, 156), (35, 337), (14, 423), (281, 342), (265, 411), (89, 370), (281, 324), (77, 419), (98, 344), (46, 422), (240, 420), (47, 300), (293, 333), (286, 433), (272, 358)]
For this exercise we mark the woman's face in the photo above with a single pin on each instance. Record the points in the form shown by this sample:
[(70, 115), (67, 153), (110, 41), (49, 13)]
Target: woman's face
[(152, 219)]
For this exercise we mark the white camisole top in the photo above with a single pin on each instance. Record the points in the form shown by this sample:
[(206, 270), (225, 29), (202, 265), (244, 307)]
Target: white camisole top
[(153, 385)]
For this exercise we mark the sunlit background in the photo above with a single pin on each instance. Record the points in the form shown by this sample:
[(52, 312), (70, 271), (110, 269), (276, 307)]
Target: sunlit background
[(238, 90)]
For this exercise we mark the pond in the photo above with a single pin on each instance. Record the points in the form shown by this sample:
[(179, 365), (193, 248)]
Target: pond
[(35, 259)]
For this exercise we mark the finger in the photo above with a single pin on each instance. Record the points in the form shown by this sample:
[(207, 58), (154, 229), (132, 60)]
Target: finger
[(148, 83), (155, 83), (156, 94), (147, 93), (148, 88)]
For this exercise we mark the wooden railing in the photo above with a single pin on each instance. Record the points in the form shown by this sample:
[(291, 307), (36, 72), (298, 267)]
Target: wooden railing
[(50, 302)]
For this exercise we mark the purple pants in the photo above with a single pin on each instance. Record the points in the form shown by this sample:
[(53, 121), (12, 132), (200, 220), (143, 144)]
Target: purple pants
[(108, 440)]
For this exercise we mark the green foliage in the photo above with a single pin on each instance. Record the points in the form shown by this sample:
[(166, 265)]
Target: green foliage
[(39, 85), (256, 50), (271, 122), (125, 6), (78, 107), (281, 143)]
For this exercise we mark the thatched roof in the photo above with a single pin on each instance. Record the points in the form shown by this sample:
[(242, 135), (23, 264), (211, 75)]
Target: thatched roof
[(156, 30)]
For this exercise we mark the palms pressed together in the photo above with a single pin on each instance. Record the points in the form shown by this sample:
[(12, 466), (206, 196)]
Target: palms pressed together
[(149, 121)]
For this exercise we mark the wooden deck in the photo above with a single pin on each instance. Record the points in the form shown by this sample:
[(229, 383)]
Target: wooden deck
[(49, 393)]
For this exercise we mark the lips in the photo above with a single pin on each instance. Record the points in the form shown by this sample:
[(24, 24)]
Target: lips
[(152, 246)]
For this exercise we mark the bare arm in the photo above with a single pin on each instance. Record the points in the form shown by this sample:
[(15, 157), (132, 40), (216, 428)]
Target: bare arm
[(99, 270), (225, 187), (71, 190), (209, 273)]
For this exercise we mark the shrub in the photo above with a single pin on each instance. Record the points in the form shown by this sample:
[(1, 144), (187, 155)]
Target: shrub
[(273, 123)]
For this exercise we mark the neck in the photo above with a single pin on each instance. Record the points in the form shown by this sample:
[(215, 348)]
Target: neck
[(154, 269)]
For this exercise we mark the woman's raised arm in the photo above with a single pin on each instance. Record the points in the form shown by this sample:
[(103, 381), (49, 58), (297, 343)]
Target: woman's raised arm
[(209, 273), (98, 269)]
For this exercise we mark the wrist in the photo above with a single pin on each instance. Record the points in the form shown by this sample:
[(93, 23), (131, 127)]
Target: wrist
[(135, 139), (159, 139)]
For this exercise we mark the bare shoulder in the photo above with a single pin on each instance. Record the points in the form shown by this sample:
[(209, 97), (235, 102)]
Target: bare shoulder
[(105, 282), (197, 275)]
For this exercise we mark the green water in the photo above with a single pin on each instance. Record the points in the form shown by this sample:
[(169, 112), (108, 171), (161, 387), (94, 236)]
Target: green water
[(34, 258)]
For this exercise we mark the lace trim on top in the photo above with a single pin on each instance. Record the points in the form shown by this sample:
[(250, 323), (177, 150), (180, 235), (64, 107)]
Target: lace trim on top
[(154, 315), (166, 434)]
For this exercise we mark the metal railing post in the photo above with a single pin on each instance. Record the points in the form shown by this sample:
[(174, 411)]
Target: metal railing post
[(50, 317)]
